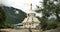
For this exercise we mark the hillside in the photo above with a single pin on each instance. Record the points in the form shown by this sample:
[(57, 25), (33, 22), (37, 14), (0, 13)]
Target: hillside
[(12, 17)]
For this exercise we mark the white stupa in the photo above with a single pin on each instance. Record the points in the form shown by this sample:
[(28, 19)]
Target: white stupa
[(30, 21)]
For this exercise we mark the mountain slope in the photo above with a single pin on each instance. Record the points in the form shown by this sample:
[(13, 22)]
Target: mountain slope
[(12, 17)]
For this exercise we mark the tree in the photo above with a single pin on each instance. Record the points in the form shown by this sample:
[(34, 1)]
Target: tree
[(49, 9), (2, 17)]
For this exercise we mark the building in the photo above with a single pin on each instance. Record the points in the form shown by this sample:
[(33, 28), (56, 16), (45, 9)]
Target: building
[(30, 21)]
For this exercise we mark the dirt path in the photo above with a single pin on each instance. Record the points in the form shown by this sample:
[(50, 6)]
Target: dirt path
[(17, 30)]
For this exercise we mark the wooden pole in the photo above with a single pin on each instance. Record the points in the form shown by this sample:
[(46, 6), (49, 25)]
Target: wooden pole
[(30, 30)]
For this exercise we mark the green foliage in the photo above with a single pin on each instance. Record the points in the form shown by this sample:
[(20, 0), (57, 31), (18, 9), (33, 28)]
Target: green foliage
[(2, 17), (51, 25), (6, 25), (49, 10), (8, 16), (12, 17), (47, 25)]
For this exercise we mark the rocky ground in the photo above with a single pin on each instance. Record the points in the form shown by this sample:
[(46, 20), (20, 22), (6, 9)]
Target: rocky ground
[(26, 30)]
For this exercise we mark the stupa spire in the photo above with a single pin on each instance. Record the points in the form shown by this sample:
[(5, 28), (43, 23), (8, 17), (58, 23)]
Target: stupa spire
[(31, 6)]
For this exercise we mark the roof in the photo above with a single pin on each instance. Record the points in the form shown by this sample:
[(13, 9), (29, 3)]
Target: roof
[(19, 24)]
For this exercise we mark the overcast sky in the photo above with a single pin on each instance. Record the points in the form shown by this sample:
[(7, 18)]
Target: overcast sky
[(22, 4)]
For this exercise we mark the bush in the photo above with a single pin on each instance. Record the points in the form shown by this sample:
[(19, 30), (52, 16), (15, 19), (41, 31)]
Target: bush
[(49, 25)]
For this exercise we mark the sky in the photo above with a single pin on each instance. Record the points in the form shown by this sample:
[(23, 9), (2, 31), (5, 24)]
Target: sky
[(24, 5)]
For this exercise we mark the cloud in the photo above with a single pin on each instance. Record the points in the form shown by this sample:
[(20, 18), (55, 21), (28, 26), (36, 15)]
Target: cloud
[(21, 4)]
